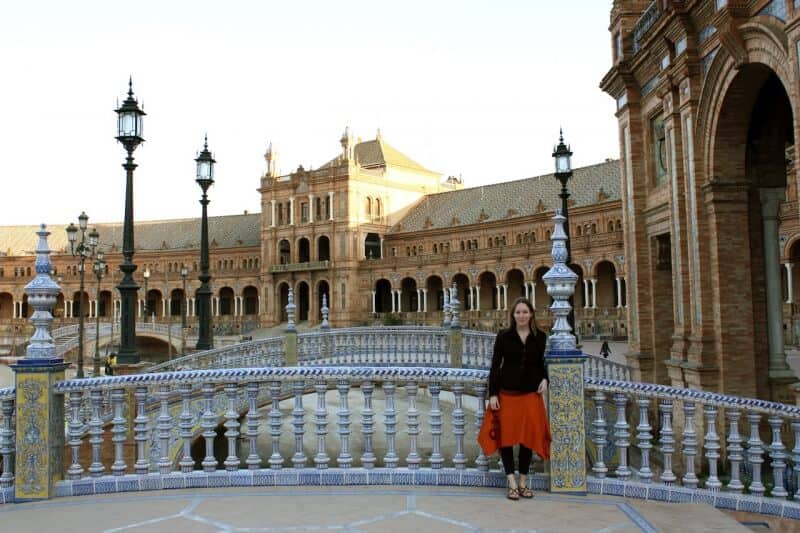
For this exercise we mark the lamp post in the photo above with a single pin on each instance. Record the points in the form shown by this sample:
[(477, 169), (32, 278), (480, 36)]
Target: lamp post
[(99, 272), (146, 307), (563, 158), (205, 178), (184, 273), (129, 133), (83, 250)]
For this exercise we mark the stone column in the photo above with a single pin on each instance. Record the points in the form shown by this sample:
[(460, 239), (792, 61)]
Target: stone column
[(771, 199), (565, 367), (419, 301), (330, 214), (424, 300), (505, 297), (39, 453), (272, 203), (139, 314), (594, 293), (499, 299), (381, 250), (619, 293), (477, 301), (66, 314), (310, 208), (374, 293), (291, 210), (399, 301), (586, 294), (164, 307), (789, 287), (533, 294)]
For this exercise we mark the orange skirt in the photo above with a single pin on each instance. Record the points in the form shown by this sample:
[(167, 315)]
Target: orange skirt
[(521, 419)]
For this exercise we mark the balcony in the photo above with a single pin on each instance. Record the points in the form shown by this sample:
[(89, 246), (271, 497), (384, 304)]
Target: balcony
[(300, 267)]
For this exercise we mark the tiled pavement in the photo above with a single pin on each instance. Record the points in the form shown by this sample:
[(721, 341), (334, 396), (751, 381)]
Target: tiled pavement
[(384, 509)]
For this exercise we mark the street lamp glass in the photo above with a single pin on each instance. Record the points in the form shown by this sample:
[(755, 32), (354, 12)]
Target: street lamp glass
[(94, 237), (146, 273), (83, 221), (184, 271), (72, 234), (563, 163)]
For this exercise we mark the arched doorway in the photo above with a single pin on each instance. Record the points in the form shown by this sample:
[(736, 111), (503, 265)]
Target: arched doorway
[(488, 291), (372, 246), (58, 308), (515, 280), (540, 299), (176, 298), (78, 299), (435, 288), (461, 282), (284, 252), (323, 289), (408, 295), (383, 296), (104, 304), (754, 130), (225, 302), (153, 303), (303, 250), (606, 284), (323, 249), (302, 301), (250, 297), (282, 301)]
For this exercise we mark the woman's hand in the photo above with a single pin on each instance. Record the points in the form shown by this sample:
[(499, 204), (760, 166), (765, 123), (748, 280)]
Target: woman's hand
[(542, 387), (494, 403)]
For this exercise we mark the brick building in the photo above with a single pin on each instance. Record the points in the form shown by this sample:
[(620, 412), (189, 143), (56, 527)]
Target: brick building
[(374, 231), (707, 100)]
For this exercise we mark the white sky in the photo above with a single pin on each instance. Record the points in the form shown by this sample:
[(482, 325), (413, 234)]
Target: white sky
[(466, 87)]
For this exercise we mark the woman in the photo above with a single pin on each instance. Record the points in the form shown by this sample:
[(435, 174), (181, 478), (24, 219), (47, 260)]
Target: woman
[(517, 383)]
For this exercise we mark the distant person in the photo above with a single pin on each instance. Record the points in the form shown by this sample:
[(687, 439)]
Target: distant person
[(605, 350), (517, 384)]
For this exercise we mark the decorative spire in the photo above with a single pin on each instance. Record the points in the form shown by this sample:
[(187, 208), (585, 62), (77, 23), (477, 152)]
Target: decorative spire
[(446, 308), (42, 292), (560, 281), (454, 323), (325, 324), (290, 307)]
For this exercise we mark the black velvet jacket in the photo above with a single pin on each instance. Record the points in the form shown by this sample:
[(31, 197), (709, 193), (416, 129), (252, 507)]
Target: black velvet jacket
[(517, 367)]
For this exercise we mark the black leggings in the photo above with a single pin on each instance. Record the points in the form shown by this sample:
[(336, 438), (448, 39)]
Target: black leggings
[(507, 455)]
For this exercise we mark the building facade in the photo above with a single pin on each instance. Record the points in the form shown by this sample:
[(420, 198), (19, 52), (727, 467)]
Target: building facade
[(707, 100), (375, 233)]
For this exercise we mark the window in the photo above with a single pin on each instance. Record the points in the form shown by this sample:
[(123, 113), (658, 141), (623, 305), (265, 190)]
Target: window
[(344, 298), (304, 212), (394, 251), (435, 248), (318, 206), (368, 207)]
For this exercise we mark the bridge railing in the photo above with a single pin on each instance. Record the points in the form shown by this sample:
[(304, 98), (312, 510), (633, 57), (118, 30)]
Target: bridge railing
[(401, 425), (384, 345)]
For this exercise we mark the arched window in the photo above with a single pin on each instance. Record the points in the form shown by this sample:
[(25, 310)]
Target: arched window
[(579, 230), (368, 207), (594, 228), (519, 239), (378, 207)]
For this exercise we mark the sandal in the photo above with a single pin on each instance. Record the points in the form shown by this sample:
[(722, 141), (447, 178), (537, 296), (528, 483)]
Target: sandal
[(525, 492), (512, 494)]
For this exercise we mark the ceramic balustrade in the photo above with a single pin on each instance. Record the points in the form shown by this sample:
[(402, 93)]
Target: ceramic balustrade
[(7, 437), (375, 346), (707, 451), (257, 353)]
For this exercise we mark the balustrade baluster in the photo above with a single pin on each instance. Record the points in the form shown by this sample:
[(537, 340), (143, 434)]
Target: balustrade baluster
[(140, 432), (436, 426), (599, 434), (390, 422), (119, 431), (689, 445), (232, 427), (712, 447), (667, 441), (186, 426), (253, 417), (96, 469), (164, 426), (459, 459), (345, 460), (482, 462), (734, 448), (622, 434), (298, 420), (209, 425), (755, 451), (275, 460), (796, 458), (412, 420), (645, 438), (321, 420), (777, 455), (368, 457), (75, 434)]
